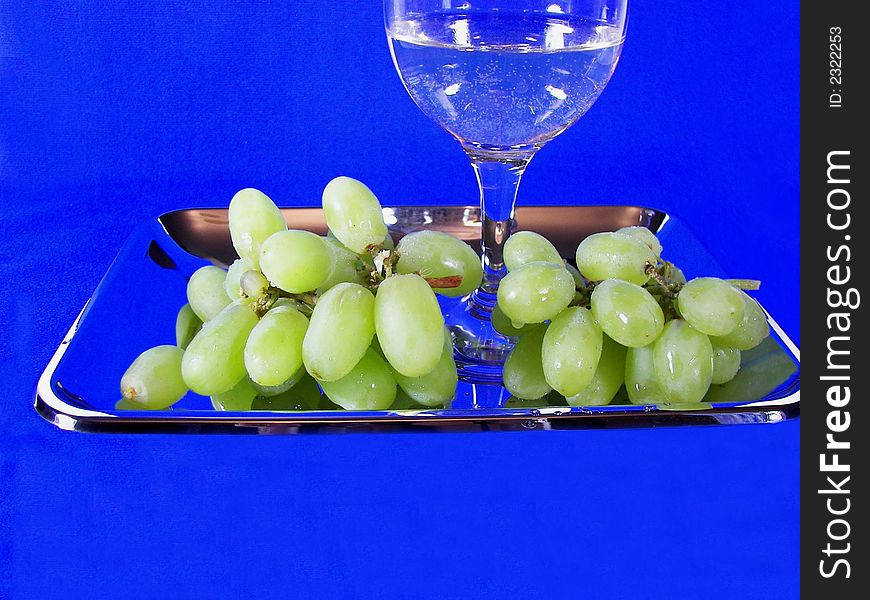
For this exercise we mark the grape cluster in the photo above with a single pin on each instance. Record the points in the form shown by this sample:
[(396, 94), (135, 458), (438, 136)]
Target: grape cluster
[(297, 313), (623, 317), (353, 315)]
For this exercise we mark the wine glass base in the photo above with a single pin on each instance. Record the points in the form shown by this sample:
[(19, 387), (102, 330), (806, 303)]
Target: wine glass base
[(480, 350)]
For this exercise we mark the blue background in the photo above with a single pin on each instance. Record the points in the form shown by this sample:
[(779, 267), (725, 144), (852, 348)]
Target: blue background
[(114, 112)]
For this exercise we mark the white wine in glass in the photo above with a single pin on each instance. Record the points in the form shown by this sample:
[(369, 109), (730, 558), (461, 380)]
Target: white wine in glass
[(504, 77)]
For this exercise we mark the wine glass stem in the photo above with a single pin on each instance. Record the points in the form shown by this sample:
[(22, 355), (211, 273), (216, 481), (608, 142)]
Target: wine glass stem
[(499, 180)]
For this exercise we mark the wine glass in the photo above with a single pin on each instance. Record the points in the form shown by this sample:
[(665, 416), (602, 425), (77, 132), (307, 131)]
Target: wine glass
[(503, 77)]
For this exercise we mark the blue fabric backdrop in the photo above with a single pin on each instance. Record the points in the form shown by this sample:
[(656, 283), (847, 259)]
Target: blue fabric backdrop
[(113, 112)]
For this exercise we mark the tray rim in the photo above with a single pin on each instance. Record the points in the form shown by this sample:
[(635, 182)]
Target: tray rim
[(63, 415)]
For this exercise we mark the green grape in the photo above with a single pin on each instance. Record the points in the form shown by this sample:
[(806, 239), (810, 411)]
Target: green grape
[(237, 399), (726, 363), (253, 284), (303, 395), (523, 374), (353, 214), (644, 235), (232, 283), (751, 330), (124, 404), (274, 390), (295, 261), (579, 281), (504, 326), (553, 399), (153, 381), (292, 303), (536, 292), (683, 359), (327, 404), (370, 385), (253, 219), (571, 350), (409, 324), (436, 387), (711, 305), (438, 254), (641, 382), (205, 292), (614, 256), (376, 346), (673, 273), (346, 266), (524, 247), (763, 369), (273, 352), (341, 329), (214, 361), (627, 312), (403, 401), (608, 378), (387, 244), (187, 324)]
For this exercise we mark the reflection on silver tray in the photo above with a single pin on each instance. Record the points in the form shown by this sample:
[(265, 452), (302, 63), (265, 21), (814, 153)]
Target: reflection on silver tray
[(134, 307)]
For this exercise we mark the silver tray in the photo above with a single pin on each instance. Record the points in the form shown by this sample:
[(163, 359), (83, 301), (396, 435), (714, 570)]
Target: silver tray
[(134, 306)]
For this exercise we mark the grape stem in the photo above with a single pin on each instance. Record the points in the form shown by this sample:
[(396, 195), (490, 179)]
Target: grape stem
[(261, 305), (659, 274), (304, 303), (384, 264)]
